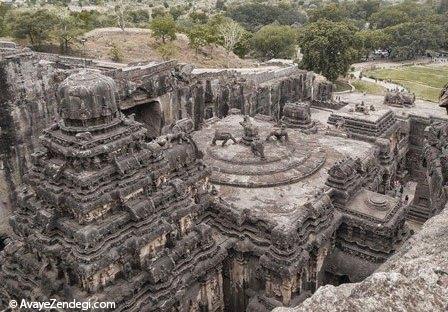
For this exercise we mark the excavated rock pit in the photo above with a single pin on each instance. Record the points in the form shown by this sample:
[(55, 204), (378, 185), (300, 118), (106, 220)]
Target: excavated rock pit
[(415, 279)]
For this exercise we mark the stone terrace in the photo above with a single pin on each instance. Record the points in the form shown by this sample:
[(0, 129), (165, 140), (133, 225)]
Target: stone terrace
[(291, 175)]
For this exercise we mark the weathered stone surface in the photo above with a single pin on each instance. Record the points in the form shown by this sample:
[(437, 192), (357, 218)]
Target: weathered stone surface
[(299, 231), (158, 94), (415, 279), (126, 208), (107, 213), (399, 98)]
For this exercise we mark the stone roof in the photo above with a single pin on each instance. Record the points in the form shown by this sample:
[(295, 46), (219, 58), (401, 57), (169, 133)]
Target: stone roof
[(86, 95)]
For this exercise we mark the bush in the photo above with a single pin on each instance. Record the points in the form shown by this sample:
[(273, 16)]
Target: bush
[(116, 54), (167, 51)]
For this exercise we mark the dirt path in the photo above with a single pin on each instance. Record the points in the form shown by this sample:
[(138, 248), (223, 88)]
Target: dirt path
[(390, 64), (385, 84)]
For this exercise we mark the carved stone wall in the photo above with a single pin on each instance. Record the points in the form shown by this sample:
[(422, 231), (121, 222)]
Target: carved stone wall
[(421, 210), (105, 212)]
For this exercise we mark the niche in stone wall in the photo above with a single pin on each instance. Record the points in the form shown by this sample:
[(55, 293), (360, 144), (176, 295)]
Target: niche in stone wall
[(150, 115), (2, 242), (241, 278)]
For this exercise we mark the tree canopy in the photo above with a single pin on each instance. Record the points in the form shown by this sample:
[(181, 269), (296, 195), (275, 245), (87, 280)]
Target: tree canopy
[(4, 9), (275, 41), (201, 35), (34, 25), (328, 48), (254, 15), (410, 40), (332, 33), (163, 27)]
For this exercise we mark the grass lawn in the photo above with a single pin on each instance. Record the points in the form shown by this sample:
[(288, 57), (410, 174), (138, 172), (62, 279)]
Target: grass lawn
[(368, 87), (425, 81), (342, 86)]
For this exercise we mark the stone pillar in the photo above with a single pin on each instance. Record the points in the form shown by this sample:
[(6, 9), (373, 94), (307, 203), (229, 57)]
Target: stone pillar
[(198, 106), (212, 292)]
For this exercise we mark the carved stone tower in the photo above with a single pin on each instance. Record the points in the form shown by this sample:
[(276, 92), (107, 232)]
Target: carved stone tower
[(107, 215)]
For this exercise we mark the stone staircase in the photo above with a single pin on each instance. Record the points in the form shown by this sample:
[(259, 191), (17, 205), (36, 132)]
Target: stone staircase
[(419, 213)]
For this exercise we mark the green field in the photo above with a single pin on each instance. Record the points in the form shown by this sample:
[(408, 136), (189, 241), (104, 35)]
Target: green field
[(368, 87), (425, 81), (342, 86)]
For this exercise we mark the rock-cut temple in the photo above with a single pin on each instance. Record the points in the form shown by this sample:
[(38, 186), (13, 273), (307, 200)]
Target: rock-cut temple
[(243, 192)]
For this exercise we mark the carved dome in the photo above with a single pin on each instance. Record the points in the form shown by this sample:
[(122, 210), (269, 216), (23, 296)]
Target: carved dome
[(87, 98)]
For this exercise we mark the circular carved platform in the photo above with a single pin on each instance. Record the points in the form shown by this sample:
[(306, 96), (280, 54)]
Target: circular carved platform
[(377, 201), (285, 163)]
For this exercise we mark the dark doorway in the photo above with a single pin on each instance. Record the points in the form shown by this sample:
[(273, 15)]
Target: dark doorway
[(336, 279), (150, 115), (343, 279), (235, 297), (223, 110), (2, 242)]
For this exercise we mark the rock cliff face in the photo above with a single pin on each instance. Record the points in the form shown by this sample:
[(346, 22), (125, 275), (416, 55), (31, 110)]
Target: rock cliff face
[(414, 279), (27, 100)]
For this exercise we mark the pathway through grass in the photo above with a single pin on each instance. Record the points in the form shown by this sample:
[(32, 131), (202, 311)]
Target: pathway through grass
[(425, 81), (368, 87)]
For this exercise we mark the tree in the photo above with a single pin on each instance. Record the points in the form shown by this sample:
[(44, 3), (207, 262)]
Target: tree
[(92, 19), (242, 48), (138, 17), (163, 27), (388, 17), (115, 53), (275, 41), (200, 36), (332, 12), (67, 29), (231, 33), (34, 25), (177, 11), (220, 5), (4, 10), (255, 15), (328, 48), (198, 17), (158, 12), (373, 39), (363, 9), (410, 40), (443, 6), (121, 10)]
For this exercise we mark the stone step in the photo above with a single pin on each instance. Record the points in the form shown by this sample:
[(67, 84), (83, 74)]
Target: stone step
[(419, 213)]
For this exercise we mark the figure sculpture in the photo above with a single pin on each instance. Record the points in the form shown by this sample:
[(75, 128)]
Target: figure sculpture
[(340, 124), (279, 134), (223, 136), (250, 131), (257, 148), (362, 108), (399, 98)]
